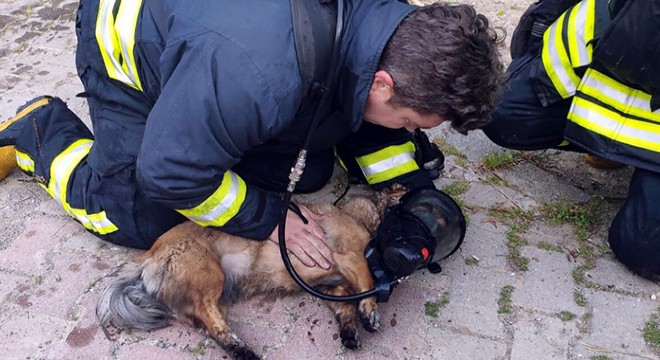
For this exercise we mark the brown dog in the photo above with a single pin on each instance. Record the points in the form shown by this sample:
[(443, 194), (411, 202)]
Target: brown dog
[(191, 273)]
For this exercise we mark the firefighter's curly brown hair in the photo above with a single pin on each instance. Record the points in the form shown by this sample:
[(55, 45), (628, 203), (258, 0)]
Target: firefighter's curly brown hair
[(444, 60)]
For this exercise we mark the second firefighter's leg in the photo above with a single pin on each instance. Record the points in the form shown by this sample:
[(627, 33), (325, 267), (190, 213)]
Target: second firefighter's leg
[(634, 235)]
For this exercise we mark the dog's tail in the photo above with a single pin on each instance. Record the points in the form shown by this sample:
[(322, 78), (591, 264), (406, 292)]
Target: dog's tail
[(127, 303)]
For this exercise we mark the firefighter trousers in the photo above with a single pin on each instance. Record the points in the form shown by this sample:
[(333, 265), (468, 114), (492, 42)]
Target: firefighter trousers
[(520, 122), (55, 149)]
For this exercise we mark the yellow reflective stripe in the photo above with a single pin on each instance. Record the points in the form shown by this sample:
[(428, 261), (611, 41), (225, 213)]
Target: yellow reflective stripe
[(60, 172), (615, 126), (116, 39), (106, 38), (24, 161), (623, 98), (556, 62), (580, 32), (590, 28), (341, 163), (125, 29), (98, 222), (388, 163), (222, 205)]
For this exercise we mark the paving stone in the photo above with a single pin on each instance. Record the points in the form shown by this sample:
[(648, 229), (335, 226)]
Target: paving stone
[(68, 279), (473, 297), (28, 253), (613, 275), (616, 324), (538, 336), (23, 334), (11, 285), (451, 345), (481, 244), (547, 285)]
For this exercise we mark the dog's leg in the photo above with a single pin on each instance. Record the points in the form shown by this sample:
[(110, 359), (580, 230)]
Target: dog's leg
[(205, 290), (354, 267), (193, 285), (345, 315)]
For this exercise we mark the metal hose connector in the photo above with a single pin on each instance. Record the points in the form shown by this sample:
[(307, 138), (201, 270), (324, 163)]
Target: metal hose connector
[(297, 170)]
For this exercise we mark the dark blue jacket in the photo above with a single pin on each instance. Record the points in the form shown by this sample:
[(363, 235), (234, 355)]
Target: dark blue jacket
[(224, 79)]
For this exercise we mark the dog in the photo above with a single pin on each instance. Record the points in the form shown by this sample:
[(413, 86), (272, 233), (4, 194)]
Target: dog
[(192, 273)]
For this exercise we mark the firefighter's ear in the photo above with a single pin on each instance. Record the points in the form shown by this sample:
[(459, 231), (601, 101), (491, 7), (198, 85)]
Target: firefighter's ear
[(382, 81)]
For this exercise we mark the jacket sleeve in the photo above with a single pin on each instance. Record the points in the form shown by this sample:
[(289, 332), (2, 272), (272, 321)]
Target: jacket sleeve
[(630, 47), (382, 157), (210, 111)]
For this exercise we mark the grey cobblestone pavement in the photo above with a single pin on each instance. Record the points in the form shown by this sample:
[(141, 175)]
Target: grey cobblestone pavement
[(535, 278)]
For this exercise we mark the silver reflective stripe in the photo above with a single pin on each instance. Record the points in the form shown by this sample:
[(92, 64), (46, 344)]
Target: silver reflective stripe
[(623, 98), (612, 125), (387, 164), (125, 28), (62, 167), (583, 33), (556, 61), (106, 37), (116, 39), (96, 222), (24, 161)]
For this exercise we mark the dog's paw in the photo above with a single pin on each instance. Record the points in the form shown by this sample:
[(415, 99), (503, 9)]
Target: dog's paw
[(236, 347), (349, 338), (243, 353), (371, 321)]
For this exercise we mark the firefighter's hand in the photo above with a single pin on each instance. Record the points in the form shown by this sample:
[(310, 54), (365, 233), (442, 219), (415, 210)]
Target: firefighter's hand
[(305, 241)]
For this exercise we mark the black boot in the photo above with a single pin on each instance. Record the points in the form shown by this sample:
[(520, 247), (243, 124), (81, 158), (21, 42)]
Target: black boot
[(11, 129)]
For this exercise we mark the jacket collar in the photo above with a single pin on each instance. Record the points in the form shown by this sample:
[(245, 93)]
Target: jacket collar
[(368, 26)]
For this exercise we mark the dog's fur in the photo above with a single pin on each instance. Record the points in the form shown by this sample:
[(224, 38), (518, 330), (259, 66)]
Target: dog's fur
[(191, 273)]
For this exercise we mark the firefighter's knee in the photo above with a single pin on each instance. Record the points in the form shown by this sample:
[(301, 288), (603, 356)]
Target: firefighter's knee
[(634, 235)]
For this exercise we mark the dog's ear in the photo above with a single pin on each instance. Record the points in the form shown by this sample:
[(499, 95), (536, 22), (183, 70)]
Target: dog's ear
[(365, 210), (370, 207), (391, 195)]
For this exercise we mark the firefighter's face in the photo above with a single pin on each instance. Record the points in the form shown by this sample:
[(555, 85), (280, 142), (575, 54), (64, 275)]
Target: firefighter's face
[(379, 111)]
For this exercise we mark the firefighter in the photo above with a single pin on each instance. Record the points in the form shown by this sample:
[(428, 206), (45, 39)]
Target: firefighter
[(196, 111), (585, 77)]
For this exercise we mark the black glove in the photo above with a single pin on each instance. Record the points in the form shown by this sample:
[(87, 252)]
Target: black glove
[(427, 154)]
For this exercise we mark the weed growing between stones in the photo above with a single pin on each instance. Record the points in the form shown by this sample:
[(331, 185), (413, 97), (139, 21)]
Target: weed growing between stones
[(500, 160), (518, 222), (504, 302), (566, 316), (584, 217), (652, 330)]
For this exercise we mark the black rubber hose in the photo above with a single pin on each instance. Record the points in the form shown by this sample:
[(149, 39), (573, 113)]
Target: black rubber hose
[(298, 169)]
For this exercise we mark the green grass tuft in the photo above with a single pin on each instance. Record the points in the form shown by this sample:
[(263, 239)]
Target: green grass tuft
[(566, 316), (504, 302), (470, 261), (432, 308), (456, 188), (584, 217), (500, 160), (651, 332), (199, 350), (579, 298), (549, 247)]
